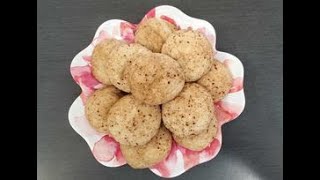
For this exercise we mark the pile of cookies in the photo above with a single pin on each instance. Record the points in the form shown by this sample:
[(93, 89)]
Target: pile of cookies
[(159, 89)]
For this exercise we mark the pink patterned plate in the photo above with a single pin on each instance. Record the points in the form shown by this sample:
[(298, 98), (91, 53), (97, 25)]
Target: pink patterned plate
[(104, 148)]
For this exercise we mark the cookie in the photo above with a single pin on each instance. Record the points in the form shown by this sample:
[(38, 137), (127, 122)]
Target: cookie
[(200, 141), (99, 59), (147, 155), (132, 122), (218, 81), (156, 78), (192, 50), (98, 106), (152, 33), (120, 58), (190, 112)]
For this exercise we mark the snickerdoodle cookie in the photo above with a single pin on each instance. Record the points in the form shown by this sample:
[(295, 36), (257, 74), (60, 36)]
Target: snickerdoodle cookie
[(119, 59), (218, 81), (100, 56), (192, 50), (144, 156), (132, 122), (200, 141), (98, 106), (155, 78), (152, 33), (190, 112)]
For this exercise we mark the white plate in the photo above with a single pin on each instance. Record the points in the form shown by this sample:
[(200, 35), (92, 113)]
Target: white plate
[(103, 147)]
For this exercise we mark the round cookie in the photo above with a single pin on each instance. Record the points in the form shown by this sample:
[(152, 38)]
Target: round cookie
[(155, 78), (119, 59), (153, 32), (200, 141), (218, 81), (192, 50), (98, 106), (99, 59), (132, 122), (147, 155), (189, 113)]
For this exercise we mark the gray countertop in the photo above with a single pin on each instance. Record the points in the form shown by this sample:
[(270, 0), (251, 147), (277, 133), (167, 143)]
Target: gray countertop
[(252, 30)]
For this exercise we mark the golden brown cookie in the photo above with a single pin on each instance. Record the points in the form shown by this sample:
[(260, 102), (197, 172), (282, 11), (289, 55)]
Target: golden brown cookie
[(98, 106), (192, 50), (99, 59), (200, 141), (190, 112), (132, 122), (147, 155), (152, 33), (218, 81), (155, 78), (119, 59)]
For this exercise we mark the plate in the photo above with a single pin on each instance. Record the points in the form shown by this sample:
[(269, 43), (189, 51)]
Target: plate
[(104, 148)]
